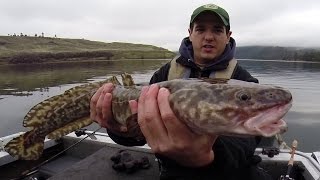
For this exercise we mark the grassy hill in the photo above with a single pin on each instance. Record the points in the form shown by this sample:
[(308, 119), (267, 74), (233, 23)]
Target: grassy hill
[(16, 49)]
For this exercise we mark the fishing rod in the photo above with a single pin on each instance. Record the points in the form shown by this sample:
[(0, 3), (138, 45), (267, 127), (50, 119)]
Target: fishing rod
[(35, 169), (291, 161)]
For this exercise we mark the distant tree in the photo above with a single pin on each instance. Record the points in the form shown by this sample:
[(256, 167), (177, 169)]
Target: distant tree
[(307, 56), (295, 56), (21, 34), (42, 34), (14, 34), (35, 35)]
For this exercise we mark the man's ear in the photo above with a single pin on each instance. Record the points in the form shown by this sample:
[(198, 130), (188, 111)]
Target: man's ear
[(190, 32), (228, 36)]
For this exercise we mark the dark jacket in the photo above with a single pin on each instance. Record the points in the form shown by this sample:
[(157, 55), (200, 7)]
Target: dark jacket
[(186, 59), (234, 157)]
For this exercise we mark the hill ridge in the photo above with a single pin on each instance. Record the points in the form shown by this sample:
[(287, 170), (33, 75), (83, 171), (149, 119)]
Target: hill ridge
[(27, 48)]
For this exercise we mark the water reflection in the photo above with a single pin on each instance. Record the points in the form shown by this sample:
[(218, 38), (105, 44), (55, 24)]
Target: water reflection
[(21, 87), (22, 79)]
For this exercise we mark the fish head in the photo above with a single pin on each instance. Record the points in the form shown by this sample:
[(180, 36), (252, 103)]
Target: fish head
[(233, 108), (259, 110)]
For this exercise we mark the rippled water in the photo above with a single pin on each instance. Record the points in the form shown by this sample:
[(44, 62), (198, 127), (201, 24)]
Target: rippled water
[(21, 87)]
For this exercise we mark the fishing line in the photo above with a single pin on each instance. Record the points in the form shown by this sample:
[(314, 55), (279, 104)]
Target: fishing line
[(282, 144), (35, 169)]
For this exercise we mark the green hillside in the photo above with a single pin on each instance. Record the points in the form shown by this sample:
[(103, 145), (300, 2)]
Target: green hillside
[(16, 49)]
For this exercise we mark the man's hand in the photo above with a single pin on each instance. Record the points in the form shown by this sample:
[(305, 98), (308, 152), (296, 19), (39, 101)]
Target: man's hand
[(100, 109), (167, 135)]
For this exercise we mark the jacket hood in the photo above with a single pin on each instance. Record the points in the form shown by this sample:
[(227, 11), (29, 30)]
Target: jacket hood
[(186, 51)]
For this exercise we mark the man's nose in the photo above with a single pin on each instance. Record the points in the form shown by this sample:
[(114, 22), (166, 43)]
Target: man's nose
[(209, 36)]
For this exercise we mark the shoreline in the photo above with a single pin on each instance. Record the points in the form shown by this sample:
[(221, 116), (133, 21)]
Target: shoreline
[(79, 60), (83, 56)]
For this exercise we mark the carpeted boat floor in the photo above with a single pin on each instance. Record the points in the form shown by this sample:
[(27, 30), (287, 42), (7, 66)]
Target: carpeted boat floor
[(99, 166)]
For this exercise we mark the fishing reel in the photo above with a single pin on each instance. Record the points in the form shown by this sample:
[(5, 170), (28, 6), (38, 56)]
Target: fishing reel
[(270, 151), (81, 132), (285, 177)]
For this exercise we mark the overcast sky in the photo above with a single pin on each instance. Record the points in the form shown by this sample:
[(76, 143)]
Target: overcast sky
[(162, 22)]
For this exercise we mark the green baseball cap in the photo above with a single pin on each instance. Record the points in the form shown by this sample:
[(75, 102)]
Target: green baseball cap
[(213, 8)]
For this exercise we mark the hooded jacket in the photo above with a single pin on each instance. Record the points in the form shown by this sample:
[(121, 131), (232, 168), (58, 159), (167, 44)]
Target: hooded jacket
[(186, 51), (234, 156), (186, 59)]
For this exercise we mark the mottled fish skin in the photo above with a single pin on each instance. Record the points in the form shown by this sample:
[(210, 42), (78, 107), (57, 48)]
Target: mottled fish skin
[(215, 106), (54, 118), (210, 106), (231, 108)]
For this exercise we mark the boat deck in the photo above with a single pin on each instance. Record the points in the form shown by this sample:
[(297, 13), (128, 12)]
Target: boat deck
[(91, 159), (98, 165)]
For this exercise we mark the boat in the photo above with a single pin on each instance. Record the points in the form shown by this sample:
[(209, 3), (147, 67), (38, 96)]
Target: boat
[(87, 154)]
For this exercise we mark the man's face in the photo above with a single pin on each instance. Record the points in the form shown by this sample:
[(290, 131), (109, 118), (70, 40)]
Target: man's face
[(209, 38)]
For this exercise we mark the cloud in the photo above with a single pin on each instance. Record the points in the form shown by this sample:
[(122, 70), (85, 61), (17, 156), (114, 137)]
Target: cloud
[(162, 23)]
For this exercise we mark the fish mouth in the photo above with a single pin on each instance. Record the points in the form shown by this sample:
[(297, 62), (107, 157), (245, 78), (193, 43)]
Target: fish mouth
[(270, 122)]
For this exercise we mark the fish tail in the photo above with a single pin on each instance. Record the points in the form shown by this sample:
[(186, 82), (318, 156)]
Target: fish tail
[(28, 146)]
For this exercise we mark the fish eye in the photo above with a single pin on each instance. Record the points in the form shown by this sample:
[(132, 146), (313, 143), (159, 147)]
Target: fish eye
[(244, 96)]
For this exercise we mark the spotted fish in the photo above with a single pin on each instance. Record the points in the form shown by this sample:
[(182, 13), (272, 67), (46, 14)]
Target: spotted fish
[(214, 106), (54, 118), (207, 106)]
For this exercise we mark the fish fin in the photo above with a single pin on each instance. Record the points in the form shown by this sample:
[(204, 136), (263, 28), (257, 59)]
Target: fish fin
[(215, 80), (134, 128), (39, 113), (43, 111), (114, 80), (27, 146), (70, 127), (84, 88), (127, 80)]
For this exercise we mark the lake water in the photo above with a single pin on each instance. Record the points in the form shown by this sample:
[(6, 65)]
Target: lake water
[(23, 86)]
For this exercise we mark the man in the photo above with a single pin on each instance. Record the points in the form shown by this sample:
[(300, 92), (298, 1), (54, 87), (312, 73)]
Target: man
[(183, 154)]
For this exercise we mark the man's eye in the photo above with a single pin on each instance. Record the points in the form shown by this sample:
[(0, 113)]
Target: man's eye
[(200, 29), (219, 30)]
